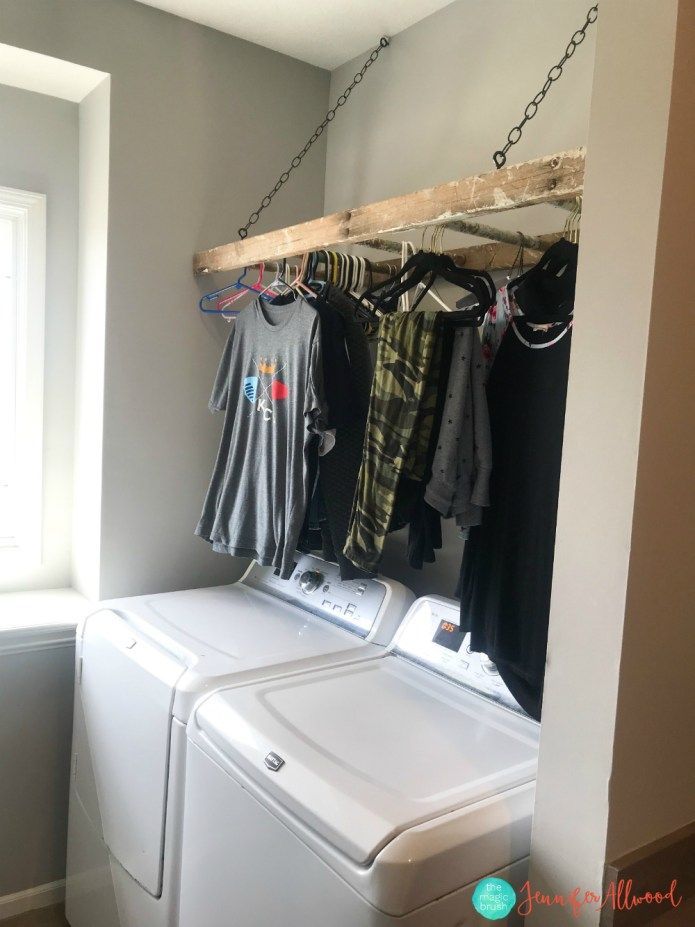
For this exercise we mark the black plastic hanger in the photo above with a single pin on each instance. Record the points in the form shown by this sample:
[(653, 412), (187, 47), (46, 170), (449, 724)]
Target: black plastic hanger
[(545, 293), (386, 294)]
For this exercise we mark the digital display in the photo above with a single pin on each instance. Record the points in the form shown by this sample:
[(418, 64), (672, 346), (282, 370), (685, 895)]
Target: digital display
[(449, 635)]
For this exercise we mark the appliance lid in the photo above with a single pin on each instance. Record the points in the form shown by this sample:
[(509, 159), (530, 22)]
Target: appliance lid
[(229, 629), (361, 753)]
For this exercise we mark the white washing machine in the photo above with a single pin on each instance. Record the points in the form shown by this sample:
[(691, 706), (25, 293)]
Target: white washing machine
[(141, 664), (364, 795)]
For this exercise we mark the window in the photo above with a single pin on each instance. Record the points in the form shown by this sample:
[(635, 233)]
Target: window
[(22, 309)]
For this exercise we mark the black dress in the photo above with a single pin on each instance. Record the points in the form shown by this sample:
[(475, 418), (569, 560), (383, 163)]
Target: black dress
[(507, 567)]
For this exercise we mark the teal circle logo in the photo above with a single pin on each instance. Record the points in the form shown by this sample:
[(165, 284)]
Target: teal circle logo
[(493, 898)]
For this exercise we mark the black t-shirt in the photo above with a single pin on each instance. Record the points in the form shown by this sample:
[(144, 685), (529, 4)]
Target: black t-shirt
[(507, 567), (336, 365)]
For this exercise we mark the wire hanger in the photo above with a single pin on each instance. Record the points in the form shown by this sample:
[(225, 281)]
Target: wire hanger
[(571, 229)]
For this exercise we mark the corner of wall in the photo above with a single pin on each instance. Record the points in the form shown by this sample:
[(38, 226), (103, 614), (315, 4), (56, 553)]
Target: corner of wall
[(91, 325)]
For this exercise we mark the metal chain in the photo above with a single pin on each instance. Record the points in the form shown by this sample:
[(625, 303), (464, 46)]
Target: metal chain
[(500, 157), (318, 131)]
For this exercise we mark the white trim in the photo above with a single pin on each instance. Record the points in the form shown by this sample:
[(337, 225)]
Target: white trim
[(26, 640), (42, 608), (39, 73), (28, 211), (32, 899)]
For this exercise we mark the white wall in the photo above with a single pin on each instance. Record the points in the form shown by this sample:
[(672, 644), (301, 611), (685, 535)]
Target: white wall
[(602, 432), (95, 137), (39, 152), (440, 100), (622, 636), (620, 707), (201, 124)]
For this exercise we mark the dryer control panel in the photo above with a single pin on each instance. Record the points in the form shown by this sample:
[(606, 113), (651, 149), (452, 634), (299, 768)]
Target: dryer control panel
[(430, 636), (316, 587)]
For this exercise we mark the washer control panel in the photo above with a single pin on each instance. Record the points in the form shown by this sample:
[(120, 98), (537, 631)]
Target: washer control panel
[(430, 636), (316, 586)]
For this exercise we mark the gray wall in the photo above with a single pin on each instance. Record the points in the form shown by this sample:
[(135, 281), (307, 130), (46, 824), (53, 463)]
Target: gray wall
[(201, 125), (36, 686), (440, 100), (38, 152), (446, 92)]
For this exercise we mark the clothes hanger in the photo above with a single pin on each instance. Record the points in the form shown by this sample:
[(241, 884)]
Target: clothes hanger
[(272, 286), (305, 276), (215, 295), (429, 264), (222, 302), (407, 248), (545, 293), (571, 230), (286, 291), (417, 268), (356, 275), (358, 269), (517, 268), (437, 245), (386, 292), (298, 283), (226, 301)]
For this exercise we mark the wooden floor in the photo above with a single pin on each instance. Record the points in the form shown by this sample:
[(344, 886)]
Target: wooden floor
[(45, 917)]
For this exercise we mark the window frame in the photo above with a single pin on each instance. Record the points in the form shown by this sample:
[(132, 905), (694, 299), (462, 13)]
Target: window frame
[(27, 210)]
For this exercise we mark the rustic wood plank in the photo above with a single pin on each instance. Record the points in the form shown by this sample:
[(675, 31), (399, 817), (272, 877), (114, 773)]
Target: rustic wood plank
[(489, 256), (543, 180), (493, 256), (478, 229)]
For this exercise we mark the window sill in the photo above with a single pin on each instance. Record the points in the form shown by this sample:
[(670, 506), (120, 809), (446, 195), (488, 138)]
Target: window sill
[(40, 620)]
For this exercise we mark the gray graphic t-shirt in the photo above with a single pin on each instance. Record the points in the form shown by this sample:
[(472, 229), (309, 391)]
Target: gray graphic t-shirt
[(269, 383)]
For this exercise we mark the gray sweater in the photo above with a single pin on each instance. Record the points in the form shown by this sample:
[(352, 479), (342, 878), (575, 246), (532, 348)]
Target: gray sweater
[(463, 457)]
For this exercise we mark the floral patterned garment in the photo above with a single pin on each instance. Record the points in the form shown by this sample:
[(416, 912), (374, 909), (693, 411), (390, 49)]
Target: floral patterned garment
[(495, 325)]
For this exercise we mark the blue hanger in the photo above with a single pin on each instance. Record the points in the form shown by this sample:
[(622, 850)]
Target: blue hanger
[(215, 295)]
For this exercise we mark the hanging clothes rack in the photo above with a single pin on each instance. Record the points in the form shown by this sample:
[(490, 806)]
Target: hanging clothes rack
[(494, 255), (549, 179)]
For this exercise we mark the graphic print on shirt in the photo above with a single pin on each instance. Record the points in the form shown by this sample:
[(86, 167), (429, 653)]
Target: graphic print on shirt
[(264, 388)]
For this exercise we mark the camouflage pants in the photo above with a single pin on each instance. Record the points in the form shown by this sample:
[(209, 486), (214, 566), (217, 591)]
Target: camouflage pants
[(399, 426)]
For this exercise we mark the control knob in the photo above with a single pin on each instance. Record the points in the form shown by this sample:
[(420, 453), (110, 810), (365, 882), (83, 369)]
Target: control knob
[(488, 666), (310, 581)]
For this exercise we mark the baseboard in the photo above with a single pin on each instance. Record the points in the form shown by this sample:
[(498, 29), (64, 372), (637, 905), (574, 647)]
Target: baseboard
[(31, 899), (30, 639)]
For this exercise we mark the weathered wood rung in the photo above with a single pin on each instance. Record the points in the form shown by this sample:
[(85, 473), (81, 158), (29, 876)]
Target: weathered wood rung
[(543, 180), (488, 256)]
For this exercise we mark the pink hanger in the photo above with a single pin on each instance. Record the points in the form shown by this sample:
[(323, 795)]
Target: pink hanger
[(225, 301)]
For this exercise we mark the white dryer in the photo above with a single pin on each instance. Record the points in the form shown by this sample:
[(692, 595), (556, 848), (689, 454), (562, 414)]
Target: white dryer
[(141, 664), (371, 794)]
